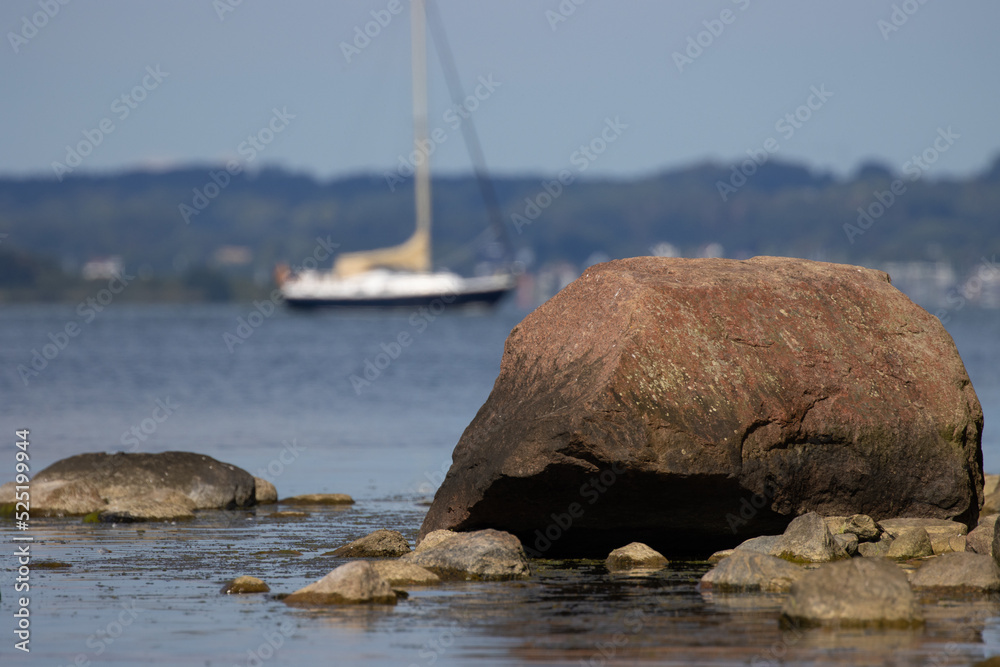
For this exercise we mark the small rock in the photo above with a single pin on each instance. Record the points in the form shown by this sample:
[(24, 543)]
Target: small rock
[(959, 572), (484, 554), (860, 525), (940, 531), (379, 544), (911, 543), (244, 584), (719, 555), (875, 549), (635, 555), (356, 582), (865, 527), (995, 546), (808, 539), (434, 538), (399, 573), (980, 540), (319, 499), (958, 543), (264, 491), (765, 544), (848, 542), (861, 592), (751, 571)]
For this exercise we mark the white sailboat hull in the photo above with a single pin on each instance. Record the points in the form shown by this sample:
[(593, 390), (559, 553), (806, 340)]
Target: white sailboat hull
[(383, 288)]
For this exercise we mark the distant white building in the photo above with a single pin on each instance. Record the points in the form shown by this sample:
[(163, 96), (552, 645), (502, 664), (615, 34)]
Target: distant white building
[(103, 268)]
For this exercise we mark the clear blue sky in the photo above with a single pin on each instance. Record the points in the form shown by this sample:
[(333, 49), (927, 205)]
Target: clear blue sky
[(559, 81)]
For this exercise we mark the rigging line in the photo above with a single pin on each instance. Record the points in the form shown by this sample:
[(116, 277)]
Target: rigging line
[(486, 189)]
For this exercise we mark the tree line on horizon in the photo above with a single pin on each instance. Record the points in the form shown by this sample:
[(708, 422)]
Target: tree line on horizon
[(246, 223)]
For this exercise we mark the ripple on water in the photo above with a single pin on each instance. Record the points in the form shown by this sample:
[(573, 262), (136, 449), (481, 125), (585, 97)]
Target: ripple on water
[(150, 593)]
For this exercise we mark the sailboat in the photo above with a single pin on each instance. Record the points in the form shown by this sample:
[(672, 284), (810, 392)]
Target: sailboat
[(402, 275)]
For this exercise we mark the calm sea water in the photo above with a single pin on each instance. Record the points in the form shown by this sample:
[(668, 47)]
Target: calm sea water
[(281, 403)]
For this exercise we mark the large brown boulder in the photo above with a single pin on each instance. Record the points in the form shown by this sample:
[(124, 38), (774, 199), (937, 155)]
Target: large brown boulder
[(691, 403)]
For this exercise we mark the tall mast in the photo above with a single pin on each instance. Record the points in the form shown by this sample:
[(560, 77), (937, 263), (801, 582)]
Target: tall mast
[(422, 170), (414, 254)]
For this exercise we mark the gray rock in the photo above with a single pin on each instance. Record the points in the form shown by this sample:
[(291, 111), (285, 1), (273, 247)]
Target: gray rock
[(848, 542), (959, 572), (319, 499), (635, 555), (765, 544), (861, 592), (244, 585), (379, 544), (940, 531), (980, 539), (400, 573), (434, 538), (751, 571), (807, 539), (861, 525), (100, 482), (911, 543), (875, 549), (158, 505), (264, 491), (356, 582), (719, 555), (484, 554)]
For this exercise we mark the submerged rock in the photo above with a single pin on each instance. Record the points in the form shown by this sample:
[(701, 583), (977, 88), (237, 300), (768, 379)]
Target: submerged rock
[(685, 402), (400, 573), (356, 582), (243, 585), (319, 499), (379, 544), (750, 571), (635, 555), (960, 573), (132, 486), (859, 592), (483, 554)]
